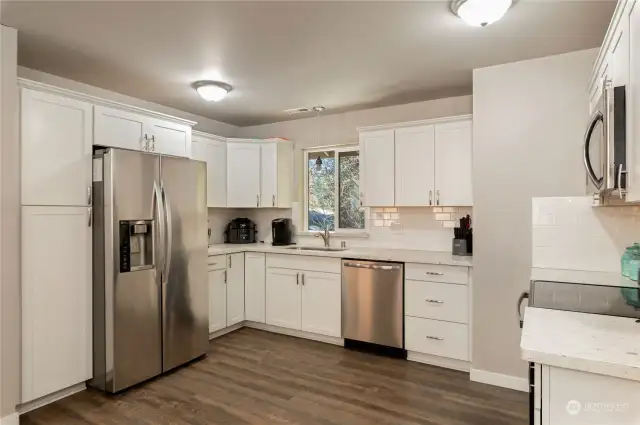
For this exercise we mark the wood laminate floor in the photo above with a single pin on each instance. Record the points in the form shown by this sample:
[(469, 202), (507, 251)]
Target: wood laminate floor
[(256, 377)]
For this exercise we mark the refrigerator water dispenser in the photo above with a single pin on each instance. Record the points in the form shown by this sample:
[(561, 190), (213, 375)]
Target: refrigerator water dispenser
[(136, 245)]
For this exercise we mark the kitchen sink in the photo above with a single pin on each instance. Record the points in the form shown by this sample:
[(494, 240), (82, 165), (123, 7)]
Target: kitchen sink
[(316, 248)]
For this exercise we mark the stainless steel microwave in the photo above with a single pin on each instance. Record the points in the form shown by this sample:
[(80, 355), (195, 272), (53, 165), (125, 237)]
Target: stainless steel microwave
[(605, 150)]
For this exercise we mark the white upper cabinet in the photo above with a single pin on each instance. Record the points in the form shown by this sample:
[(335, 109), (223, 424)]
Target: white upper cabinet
[(170, 138), (254, 286), (378, 168), (417, 164), (453, 162), (212, 150), (57, 342), (243, 174), (321, 303), (269, 174), (56, 143), (414, 166), (633, 105), (276, 174), (131, 130), (120, 129)]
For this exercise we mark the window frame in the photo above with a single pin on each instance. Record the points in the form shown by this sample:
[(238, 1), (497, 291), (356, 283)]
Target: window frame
[(337, 149)]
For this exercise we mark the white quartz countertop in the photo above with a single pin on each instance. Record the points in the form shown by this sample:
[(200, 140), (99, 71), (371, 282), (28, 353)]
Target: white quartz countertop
[(583, 277), (604, 345), (376, 254)]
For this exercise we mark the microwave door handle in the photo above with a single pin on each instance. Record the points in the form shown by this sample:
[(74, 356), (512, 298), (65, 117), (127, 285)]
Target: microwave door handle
[(597, 117)]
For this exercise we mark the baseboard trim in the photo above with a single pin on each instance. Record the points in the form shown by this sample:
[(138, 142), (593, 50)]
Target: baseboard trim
[(500, 380), (12, 419), (219, 333), (298, 334), (439, 361), (50, 398)]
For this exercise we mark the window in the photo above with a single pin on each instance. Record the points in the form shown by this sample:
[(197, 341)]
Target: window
[(332, 195)]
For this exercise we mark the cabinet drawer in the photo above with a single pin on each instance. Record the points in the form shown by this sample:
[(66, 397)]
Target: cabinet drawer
[(432, 300), (304, 262), (437, 338), (216, 262), (437, 273)]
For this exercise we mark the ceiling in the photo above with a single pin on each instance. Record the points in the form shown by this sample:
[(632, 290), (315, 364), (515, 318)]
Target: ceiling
[(345, 55)]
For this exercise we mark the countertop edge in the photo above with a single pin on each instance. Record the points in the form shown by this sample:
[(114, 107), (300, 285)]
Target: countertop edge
[(356, 253)]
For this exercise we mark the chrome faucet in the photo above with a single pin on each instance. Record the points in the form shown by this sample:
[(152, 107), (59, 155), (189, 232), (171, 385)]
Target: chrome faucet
[(326, 237)]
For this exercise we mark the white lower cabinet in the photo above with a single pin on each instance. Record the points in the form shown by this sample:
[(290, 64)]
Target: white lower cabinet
[(321, 303), (438, 338), (283, 303), (571, 397), (309, 301), (217, 293), (254, 286), (235, 288), (56, 299), (226, 290)]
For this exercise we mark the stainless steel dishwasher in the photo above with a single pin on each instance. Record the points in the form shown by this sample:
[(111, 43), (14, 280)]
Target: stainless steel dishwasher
[(372, 306)]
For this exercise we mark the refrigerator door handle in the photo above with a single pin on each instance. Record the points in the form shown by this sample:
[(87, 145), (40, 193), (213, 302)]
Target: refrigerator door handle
[(168, 239), (160, 239)]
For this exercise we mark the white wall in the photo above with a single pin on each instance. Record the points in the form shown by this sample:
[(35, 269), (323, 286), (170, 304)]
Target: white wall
[(569, 233), (9, 225), (528, 123), (203, 124)]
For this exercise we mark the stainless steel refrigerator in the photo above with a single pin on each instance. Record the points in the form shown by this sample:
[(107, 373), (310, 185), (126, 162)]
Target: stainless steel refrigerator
[(151, 309)]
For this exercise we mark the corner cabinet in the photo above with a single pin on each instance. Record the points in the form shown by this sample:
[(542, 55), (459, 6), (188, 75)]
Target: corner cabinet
[(259, 173), (424, 163)]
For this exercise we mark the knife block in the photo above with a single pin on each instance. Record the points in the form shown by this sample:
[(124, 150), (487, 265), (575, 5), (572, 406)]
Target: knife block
[(459, 247)]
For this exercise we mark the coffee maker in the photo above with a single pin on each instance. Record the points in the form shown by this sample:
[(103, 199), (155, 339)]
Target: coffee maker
[(281, 231)]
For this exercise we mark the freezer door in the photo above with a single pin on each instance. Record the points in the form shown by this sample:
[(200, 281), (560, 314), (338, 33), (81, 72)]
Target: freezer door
[(132, 327), (185, 292)]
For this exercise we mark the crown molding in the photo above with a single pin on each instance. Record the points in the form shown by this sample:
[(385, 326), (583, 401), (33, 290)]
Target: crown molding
[(415, 123), (35, 85)]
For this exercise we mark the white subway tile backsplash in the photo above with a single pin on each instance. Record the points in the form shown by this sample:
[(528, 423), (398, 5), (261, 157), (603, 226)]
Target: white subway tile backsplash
[(443, 217), (569, 233), (450, 209)]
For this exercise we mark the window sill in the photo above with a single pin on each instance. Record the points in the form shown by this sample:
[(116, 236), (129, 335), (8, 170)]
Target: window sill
[(346, 235)]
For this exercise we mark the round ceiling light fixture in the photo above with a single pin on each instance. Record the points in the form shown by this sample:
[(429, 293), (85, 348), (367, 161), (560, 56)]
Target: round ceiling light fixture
[(480, 13), (212, 91)]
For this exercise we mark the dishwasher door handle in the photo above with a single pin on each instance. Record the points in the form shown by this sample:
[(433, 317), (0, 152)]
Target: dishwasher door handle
[(372, 266)]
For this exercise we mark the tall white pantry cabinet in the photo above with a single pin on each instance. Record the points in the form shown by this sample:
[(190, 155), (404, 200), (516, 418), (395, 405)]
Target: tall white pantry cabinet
[(56, 215)]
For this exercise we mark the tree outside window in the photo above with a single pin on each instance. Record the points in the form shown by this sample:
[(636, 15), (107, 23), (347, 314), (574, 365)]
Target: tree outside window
[(333, 190)]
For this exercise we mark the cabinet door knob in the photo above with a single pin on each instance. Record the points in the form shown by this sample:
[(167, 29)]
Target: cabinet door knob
[(90, 211), (437, 197), (145, 142), (257, 200), (297, 278), (273, 200), (89, 195), (302, 279), (431, 197), (153, 143), (225, 276)]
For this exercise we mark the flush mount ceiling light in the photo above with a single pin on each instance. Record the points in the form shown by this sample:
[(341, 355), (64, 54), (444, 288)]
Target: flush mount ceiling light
[(212, 91), (480, 13)]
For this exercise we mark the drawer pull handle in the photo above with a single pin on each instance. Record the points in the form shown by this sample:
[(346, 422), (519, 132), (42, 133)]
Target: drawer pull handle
[(434, 273), (434, 301), (212, 264), (435, 338)]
